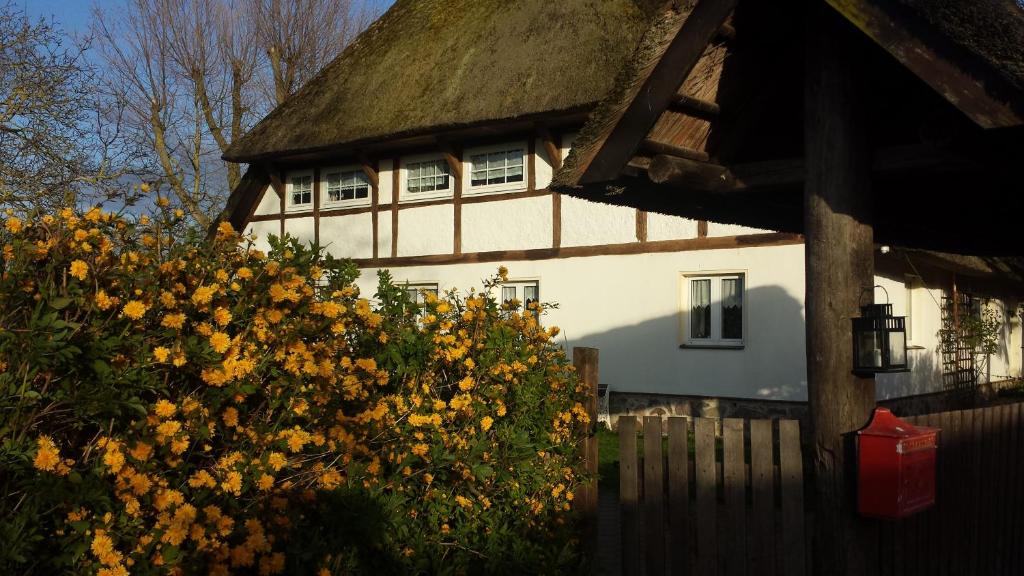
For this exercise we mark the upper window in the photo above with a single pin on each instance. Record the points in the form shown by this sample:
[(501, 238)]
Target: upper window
[(427, 178), (496, 168), (713, 310), (300, 191), (346, 187)]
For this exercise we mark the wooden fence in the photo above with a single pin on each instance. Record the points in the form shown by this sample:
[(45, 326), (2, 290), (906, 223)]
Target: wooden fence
[(711, 496), (712, 503)]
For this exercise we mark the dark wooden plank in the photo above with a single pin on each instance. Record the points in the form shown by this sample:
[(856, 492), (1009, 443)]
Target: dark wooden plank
[(679, 496), (933, 520), (628, 497), (586, 362), (953, 445), (762, 491), (654, 498), (396, 185), (974, 487), (1001, 495), (990, 466), (706, 480), (943, 497), (793, 539), (1017, 542), (735, 492)]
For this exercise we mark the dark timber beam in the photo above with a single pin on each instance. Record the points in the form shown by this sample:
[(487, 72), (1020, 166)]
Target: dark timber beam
[(369, 169), (275, 181), (695, 107), (686, 173), (630, 126), (658, 147), (550, 147), (839, 277)]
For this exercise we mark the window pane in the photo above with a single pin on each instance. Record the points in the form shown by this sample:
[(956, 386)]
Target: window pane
[(732, 308), (529, 294), (508, 293), (700, 308)]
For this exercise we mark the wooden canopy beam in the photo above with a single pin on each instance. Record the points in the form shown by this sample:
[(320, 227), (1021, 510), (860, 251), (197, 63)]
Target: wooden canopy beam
[(627, 127), (454, 164), (983, 97), (695, 107), (700, 176), (672, 150), (275, 180)]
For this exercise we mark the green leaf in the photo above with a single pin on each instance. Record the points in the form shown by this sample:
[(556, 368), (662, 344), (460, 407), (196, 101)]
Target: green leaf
[(60, 302)]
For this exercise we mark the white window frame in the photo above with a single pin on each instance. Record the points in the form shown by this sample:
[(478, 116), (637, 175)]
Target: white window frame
[(408, 197), (325, 196), (519, 284), (291, 206), (420, 287), (716, 340), (467, 169)]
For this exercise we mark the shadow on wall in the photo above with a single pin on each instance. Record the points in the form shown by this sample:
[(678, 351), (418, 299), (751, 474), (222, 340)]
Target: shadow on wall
[(925, 376), (647, 357)]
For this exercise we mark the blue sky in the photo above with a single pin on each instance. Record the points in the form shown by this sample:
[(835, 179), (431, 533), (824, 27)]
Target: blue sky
[(74, 15)]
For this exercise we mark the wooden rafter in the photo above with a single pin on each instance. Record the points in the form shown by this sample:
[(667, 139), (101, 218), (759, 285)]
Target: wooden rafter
[(938, 62), (629, 125), (550, 147), (369, 169), (275, 180), (451, 157)]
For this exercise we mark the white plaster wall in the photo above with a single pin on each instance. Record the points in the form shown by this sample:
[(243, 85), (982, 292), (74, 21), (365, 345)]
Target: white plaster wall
[(384, 234), (542, 165), (716, 229), (269, 203), (629, 308), (1005, 363), (385, 179), (661, 227), (301, 228), (348, 236), (519, 224), (426, 230), (587, 223), (262, 230)]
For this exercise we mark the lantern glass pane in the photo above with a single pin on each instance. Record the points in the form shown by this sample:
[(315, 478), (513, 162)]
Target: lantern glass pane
[(870, 349), (897, 348)]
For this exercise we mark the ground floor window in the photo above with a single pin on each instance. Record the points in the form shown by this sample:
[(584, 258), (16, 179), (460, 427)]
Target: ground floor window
[(525, 292), (713, 309), (417, 292)]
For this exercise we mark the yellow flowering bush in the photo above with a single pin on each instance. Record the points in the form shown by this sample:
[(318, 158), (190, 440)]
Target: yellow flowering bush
[(175, 405)]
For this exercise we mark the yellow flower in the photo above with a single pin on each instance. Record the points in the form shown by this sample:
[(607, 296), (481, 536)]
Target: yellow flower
[(244, 273), (230, 416), (79, 269), (276, 460), (134, 309), (165, 408), (486, 422), (13, 225), (232, 483), (466, 384), (220, 342), (221, 316), (104, 302), (503, 273), (175, 321), (420, 449), (47, 455), (161, 353), (204, 294), (266, 482)]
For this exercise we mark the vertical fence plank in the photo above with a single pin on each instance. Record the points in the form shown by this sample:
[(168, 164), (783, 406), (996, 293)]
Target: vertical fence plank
[(585, 360), (654, 501), (628, 496), (792, 477), (933, 521), (988, 494), (1002, 494), (707, 526), (735, 492), (943, 502), (1017, 544), (679, 495), (976, 439), (954, 448), (762, 491)]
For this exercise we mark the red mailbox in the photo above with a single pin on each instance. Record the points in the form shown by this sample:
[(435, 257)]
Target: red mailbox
[(896, 472)]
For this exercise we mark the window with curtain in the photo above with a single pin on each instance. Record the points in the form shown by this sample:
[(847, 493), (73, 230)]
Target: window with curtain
[(348, 186), (302, 190), (714, 310), (498, 167), (428, 176), (525, 293)]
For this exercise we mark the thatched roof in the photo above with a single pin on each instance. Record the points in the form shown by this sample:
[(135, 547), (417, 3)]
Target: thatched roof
[(439, 64), (992, 30)]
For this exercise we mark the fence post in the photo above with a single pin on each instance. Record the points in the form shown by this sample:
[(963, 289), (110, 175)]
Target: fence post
[(586, 363)]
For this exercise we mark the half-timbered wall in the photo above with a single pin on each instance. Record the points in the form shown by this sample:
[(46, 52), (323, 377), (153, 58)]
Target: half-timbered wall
[(620, 277)]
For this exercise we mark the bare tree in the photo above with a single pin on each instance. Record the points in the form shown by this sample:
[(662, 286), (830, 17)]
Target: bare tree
[(195, 74), (58, 141)]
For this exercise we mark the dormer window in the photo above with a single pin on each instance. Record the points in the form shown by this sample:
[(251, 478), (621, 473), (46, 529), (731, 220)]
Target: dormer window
[(427, 178), (346, 187), (300, 191), (498, 168)]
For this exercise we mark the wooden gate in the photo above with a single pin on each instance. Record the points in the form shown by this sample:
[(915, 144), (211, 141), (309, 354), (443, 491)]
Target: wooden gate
[(714, 497)]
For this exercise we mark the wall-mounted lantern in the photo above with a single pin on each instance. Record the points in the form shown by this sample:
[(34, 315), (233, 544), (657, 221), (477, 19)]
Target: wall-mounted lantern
[(879, 340)]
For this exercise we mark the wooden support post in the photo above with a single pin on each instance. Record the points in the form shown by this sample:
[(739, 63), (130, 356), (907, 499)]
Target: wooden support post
[(316, 206), (690, 174), (839, 274), (279, 189), (585, 361)]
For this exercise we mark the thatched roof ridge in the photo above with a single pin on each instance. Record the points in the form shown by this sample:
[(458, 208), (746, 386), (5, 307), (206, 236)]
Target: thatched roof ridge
[(430, 65)]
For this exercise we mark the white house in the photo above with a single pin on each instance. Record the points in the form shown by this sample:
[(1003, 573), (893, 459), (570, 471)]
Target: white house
[(427, 149)]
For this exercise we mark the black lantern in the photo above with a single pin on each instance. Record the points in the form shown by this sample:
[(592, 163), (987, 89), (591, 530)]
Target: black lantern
[(879, 340)]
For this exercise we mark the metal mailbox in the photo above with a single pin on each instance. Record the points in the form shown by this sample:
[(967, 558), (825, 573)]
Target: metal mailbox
[(896, 467)]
